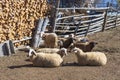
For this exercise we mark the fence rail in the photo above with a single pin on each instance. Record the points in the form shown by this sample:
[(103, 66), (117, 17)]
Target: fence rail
[(85, 24)]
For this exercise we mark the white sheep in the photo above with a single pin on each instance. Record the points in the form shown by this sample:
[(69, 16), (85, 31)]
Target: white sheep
[(47, 50), (47, 60), (50, 40), (90, 58)]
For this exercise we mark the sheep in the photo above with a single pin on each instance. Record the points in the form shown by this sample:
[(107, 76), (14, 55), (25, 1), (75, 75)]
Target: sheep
[(61, 51), (47, 60), (50, 40), (90, 58), (85, 46), (47, 50), (65, 43)]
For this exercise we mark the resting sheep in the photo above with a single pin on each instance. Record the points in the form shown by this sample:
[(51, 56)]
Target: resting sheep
[(47, 60), (85, 46), (50, 40), (47, 50), (65, 43), (90, 58)]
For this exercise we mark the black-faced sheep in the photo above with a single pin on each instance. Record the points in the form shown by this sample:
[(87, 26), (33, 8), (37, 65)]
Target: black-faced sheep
[(50, 40), (90, 58), (65, 43), (47, 60), (85, 46)]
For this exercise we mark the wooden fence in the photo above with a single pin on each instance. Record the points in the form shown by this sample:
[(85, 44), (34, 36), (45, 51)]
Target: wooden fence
[(96, 20)]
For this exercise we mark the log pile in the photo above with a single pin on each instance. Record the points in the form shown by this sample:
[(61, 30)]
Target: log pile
[(18, 18)]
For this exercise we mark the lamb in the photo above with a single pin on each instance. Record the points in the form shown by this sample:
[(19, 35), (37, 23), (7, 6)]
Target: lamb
[(47, 60), (50, 40), (90, 58)]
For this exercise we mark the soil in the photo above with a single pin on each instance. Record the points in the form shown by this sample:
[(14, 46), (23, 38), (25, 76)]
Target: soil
[(17, 66)]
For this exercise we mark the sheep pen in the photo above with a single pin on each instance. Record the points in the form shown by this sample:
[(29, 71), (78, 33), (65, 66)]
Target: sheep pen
[(17, 67)]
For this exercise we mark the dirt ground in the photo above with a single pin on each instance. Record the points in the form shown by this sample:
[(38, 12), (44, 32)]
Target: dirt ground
[(17, 67)]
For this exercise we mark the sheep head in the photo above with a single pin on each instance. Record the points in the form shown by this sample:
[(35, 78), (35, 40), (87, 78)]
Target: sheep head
[(31, 51), (71, 36), (60, 43), (76, 50), (62, 52), (92, 45), (43, 35)]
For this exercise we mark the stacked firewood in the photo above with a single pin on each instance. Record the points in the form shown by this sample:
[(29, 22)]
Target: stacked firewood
[(18, 18)]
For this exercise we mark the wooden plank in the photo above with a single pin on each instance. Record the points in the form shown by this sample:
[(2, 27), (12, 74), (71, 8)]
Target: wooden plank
[(110, 24), (82, 22), (98, 22), (89, 16), (118, 25), (65, 31), (84, 8), (110, 21), (109, 27), (90, 21), (70, 16), (65, 26), (95, 29), (24, 39), (94, 26)]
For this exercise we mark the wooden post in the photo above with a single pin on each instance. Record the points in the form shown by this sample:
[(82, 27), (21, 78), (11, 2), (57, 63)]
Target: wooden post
[(116, 19), (10, 47), (88, 26), (6, 48), (105, 21), (56, 13), (45, 23), (36, 36), (77, 26), (105, 17), (40, 28)]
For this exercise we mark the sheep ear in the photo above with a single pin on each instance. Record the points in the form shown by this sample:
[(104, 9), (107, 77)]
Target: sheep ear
[(41, 34), (34, 52), (31, 52), (74, 50), (63, 50)]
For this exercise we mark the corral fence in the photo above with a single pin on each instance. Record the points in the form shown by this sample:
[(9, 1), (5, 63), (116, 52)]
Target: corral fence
[(83, 21)]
